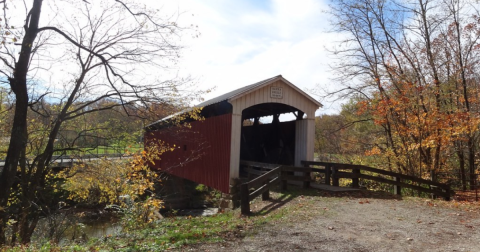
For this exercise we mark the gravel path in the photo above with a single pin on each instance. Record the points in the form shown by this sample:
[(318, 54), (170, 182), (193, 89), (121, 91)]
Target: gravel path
[(360, 222)]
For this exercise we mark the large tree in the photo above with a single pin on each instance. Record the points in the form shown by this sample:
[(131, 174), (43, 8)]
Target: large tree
[(75, 54), (416, 64)]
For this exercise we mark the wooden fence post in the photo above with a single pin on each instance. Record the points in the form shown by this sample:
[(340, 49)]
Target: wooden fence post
[(397, 189), (327, 174), (447, 194), (284, 184), (245, 201), (355, 180), (266, 194), (283, 179), (433, 176), (435, 189), (306, 182), (335, 176)]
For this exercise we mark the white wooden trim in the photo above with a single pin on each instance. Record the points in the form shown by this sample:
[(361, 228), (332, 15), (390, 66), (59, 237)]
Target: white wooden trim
[(235, 145), (292, 96), (276, 80)]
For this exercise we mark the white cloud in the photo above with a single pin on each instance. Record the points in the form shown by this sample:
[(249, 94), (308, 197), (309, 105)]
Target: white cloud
[(243, 42)]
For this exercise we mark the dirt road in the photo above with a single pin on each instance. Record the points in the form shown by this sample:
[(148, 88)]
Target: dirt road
[(360, 221)]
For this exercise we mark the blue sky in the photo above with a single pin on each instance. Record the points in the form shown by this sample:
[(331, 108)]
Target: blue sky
[(245, 41), (242, 42)]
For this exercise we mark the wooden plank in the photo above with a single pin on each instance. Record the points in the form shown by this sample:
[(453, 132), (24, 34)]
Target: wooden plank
[(316, 163), (345, 167), (261, 180), (263, 188), (244, 199), (258, 164), (399, 183), (318, 170), (295, 178), (379, 171), (296, 169), (255, 172), (397, 177), (402, 176), (347, 175)]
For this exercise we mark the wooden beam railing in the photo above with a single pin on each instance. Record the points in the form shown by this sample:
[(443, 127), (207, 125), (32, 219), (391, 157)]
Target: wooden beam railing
[(336, 171), (270, 175), (262, 184), (293, 173)]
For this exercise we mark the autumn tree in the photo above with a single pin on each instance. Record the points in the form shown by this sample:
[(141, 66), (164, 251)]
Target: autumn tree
[(75, 54), (344, 137), (415, 63)]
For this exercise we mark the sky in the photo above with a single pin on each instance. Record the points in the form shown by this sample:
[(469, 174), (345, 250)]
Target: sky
[(243, 42)]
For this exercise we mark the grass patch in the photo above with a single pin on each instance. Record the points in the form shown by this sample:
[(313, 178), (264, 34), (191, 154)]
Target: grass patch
[(170, 233), (177, 232)]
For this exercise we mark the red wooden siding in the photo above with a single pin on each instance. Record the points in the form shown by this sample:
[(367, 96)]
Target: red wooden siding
[(202, 152)]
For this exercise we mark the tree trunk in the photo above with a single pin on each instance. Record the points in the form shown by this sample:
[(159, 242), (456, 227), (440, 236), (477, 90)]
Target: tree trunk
[(461, 163), (18, 139), (471, 162)]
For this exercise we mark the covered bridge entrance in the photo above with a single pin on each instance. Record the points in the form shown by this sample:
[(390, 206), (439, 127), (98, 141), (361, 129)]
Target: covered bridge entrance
[(240, 125)]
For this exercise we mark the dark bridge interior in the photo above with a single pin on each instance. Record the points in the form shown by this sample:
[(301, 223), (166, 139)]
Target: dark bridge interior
[(268, 141)]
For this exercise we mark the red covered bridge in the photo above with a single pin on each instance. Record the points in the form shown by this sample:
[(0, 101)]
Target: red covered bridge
[(209, 152)]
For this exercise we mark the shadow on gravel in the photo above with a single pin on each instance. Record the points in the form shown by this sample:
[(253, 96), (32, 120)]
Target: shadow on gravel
[(294, 192), (361, 194), (273, 205)]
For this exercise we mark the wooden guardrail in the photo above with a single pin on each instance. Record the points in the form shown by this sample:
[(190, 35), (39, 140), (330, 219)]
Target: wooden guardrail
[(269, 176), (257, 186), (336, 171)]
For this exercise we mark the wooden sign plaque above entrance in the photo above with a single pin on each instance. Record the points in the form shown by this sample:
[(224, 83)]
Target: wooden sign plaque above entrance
[(276, 92)]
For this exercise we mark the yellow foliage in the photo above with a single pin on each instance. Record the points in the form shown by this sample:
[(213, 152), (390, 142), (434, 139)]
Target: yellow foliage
[(116, 181), (374, 151)]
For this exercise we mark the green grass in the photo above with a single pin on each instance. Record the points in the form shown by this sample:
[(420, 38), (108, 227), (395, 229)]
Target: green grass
[(176, 232)]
